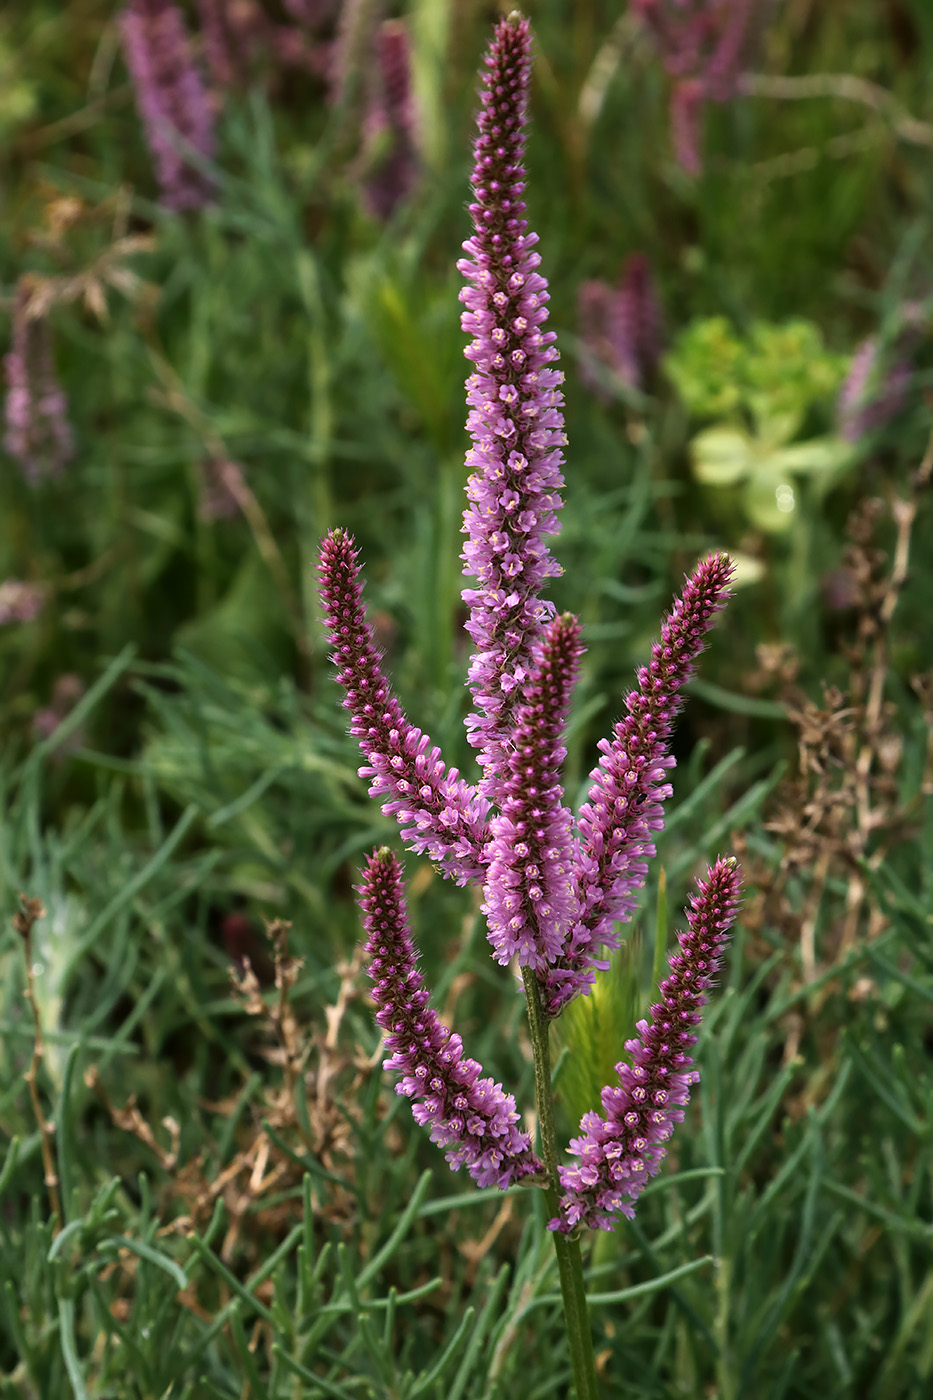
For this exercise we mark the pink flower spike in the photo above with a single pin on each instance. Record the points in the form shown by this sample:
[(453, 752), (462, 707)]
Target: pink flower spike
[(38, 433), (468, 1115), (619, 1150), (873, 392), (440, 814), (171, 97), (629, 784), (620, 328), (530, 885), (515, 416)]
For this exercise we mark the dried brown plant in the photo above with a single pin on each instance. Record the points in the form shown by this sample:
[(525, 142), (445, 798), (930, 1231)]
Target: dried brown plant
[(308, 1108), (843, 810)]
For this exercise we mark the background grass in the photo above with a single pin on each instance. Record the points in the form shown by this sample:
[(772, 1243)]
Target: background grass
[(247, 1209)]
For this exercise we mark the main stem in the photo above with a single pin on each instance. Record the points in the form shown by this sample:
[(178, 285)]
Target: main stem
[(569, 1259)]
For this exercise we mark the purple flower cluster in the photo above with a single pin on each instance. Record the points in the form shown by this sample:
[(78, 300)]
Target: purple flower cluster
[(38, 433), (364, 61), (239, 38), (231, 32), (171, 97), (703, 44), (470, 1116), (620, 1149), (553, 888), (881, 375), (389, 128), (620, 328)]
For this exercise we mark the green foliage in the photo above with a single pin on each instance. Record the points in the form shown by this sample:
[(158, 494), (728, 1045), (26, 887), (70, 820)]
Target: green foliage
[(771, 380)]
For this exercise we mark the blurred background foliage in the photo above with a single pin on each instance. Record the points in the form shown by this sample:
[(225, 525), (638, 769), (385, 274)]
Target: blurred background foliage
[(237, 1186)]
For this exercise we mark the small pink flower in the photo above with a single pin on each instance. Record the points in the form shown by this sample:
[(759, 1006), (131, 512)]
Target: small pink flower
[(20, 602)]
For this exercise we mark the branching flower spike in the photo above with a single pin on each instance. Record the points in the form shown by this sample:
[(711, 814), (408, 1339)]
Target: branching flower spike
[(554, 888)]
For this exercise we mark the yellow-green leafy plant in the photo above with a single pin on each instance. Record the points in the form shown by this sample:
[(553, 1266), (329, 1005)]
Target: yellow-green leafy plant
[(760, 390)]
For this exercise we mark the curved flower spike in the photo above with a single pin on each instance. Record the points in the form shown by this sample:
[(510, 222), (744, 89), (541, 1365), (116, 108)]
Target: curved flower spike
[(470, 1116), (440, 814), (515, 416), (623, 806), (619, 1150)]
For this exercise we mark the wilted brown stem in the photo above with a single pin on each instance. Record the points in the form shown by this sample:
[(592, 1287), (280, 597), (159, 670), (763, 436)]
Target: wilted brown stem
[(31, 911)]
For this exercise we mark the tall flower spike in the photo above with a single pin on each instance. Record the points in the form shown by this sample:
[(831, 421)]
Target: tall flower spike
[(440, 814), (623, 806), (171, 98), (515, 412), (620, 1149), (530, 888), (468, 1115)]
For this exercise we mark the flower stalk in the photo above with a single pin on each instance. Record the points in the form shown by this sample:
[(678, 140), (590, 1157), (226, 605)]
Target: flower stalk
[(566, 1247), (554, 886)]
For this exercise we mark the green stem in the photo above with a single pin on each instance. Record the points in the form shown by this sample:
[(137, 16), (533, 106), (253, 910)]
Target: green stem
[(569, 1258)]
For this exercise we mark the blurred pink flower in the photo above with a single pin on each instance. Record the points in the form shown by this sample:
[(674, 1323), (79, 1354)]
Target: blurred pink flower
[(703, 44), (389, 127), (171, 97), (20, 602), (38, 433), (239, 39), (66, 693), (877, 386), (620, 328), (222, 484), (231, 33)]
